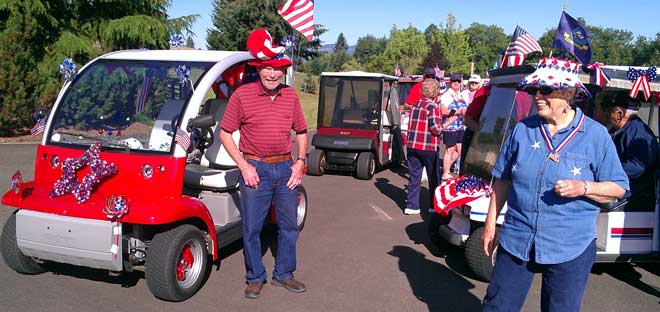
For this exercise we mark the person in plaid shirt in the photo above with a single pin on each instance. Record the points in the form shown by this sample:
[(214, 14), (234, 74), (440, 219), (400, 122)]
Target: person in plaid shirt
[(424, 129)]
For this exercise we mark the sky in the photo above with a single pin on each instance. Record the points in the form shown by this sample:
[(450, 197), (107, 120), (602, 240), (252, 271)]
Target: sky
[(358, 18)]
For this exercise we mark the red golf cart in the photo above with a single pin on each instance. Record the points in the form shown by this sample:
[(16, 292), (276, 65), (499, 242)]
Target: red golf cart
[(130, 173), (358, 124)]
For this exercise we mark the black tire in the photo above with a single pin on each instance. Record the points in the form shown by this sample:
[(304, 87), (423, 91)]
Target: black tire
[(366, 166), (481, 264), (316, 163), (166, 256), (12, 255), (302, 208)]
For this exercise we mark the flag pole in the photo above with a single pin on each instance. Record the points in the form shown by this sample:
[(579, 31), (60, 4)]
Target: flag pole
[(565, 4), (550, 53)]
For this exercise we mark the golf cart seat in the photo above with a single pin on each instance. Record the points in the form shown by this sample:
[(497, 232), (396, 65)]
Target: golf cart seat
[(217, 170)]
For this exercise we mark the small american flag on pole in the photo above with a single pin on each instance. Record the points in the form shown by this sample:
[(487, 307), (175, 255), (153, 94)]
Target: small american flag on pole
[(143, 94), (182, 138), (300, 14), (521, 44), (39, 127)]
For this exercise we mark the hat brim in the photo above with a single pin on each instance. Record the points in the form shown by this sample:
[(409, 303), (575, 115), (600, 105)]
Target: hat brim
[(270, 63), (524, 86)]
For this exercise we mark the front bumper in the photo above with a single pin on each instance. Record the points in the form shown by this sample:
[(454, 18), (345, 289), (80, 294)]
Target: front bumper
[(83, 242)]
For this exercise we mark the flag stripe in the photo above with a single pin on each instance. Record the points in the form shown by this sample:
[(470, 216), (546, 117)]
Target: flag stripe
[(521, 44), (300, 14)]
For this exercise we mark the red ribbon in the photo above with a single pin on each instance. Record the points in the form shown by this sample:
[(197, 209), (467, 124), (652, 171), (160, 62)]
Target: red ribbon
[(601, 78)]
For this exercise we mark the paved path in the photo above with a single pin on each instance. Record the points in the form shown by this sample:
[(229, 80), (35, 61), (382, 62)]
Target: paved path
[(358, 252)]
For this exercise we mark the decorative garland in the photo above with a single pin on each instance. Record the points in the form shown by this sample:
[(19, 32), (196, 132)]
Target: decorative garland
[(177, 41), (600, 76), (68, 183)]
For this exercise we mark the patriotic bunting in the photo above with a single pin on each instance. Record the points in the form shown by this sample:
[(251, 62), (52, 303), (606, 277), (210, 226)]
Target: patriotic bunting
[(640, 79)]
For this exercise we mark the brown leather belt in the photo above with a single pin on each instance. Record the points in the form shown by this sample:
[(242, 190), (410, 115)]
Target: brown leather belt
[(268, 159)]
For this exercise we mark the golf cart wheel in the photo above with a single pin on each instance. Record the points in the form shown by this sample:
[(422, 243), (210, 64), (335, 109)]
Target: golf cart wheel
[(177, 263), (12, 255), (316, 163), (366, 166), (301, 210), (481, 264)]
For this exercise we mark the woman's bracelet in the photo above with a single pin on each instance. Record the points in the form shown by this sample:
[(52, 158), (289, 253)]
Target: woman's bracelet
[(586, 187)]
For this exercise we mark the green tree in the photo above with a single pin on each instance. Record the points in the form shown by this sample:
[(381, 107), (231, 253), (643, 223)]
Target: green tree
[(406, 47), (233, 20), (368, 47), (37, 34), (456, 47), (341, 44), (486, 42), (190, 42)]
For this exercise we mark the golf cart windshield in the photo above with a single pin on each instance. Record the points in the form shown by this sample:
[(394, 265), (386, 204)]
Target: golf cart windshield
[(129, 105), (350, 102)]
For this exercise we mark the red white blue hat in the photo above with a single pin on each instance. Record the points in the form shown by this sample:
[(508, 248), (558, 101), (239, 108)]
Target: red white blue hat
[(260, 44), (555, 73)]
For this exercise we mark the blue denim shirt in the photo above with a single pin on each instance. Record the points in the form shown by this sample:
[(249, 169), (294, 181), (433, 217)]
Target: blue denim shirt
[(558, 228)]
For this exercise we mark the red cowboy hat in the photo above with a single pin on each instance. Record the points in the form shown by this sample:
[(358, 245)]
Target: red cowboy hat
[(260, 45)]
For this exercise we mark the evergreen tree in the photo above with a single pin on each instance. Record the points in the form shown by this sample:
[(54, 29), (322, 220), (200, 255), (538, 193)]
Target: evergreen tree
[(368, 47), (341, 44), (36, 35), (190, 42)]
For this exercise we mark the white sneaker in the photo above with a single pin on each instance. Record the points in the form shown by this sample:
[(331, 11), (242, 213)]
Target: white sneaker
[(409, 211)]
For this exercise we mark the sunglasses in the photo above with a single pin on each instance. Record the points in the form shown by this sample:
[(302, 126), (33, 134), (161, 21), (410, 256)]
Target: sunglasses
[(545, 90)]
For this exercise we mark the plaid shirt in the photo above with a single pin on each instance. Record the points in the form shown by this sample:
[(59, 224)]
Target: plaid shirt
[(424, 126)]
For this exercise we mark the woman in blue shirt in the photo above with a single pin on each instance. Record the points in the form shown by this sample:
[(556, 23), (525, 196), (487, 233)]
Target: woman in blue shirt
[(551, 172)]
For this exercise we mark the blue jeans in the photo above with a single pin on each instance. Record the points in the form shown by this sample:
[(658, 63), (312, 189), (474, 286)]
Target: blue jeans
[(561, 289), (417, 160), (255, 204)]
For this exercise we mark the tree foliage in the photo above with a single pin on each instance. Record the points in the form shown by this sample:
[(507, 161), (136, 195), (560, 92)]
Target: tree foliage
[(36, 35), (486, 42), (233, 20), (406, 47), (454, 43), (341, 44)]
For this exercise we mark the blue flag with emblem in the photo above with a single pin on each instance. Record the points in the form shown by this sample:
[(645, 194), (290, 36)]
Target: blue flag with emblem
[(573, 38)]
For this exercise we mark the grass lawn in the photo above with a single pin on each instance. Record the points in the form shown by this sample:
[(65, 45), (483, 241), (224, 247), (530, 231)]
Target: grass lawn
[(308, 101)]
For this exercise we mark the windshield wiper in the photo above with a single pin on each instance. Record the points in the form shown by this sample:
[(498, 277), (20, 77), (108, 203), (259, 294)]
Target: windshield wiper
[(104, 142)]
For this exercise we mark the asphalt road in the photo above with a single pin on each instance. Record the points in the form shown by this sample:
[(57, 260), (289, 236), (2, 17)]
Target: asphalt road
[(358, 252)]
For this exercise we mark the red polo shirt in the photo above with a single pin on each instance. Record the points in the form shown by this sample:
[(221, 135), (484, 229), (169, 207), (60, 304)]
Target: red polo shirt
[(265, 124)]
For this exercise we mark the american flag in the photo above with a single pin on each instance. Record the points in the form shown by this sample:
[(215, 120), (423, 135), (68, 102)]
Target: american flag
[(182, 138), (143, 94), (521, 44), (457, 192), (39, 127), (300, 14)]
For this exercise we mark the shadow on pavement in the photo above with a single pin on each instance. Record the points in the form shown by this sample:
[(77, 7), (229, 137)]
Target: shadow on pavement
[(454, 256), (395, 193), (626, 273), (435, 284), (125, 279)]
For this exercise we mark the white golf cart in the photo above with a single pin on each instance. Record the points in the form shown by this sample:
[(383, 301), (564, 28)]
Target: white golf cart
[(624, 232)]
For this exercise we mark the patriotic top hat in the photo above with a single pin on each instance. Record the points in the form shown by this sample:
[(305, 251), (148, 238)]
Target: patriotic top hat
[(555, 73), (260, 44)]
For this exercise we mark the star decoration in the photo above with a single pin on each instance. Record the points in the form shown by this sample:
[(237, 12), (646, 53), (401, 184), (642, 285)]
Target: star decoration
[(536, 145), (68, 183), (576, 171), (514, 168)]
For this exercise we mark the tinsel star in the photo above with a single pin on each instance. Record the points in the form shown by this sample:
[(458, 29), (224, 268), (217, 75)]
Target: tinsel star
[(99, 171)]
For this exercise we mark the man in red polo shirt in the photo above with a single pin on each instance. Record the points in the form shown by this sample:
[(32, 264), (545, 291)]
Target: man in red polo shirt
[(265, 112)]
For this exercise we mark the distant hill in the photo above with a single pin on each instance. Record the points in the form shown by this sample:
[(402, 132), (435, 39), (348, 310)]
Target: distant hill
[(329, 48)]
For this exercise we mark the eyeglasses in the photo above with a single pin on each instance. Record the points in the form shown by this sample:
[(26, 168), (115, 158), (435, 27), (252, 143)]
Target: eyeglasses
[(545, 90)]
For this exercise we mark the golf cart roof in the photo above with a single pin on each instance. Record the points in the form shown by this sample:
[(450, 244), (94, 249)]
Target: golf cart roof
[(618, 75), (359, 74), (178, 55)]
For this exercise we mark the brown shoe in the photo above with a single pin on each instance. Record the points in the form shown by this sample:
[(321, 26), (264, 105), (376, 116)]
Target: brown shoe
[(290, 284), (253, 290)]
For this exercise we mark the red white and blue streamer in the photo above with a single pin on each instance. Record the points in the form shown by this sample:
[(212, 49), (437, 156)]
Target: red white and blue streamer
[(641, 79), (600, 76)]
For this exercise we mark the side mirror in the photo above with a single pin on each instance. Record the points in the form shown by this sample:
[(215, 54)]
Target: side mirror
[(202, 121)]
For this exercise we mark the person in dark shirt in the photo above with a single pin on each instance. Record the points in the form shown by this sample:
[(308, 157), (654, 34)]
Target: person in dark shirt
[(637, 148)]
